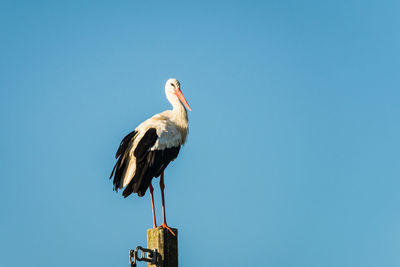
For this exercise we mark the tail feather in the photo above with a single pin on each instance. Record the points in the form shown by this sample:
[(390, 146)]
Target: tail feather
[(119, 171), (122, 156)]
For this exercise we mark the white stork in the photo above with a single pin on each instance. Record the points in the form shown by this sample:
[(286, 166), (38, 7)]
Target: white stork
[(146, 152)]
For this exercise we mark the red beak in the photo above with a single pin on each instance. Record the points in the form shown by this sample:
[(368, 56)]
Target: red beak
[(179, 94)]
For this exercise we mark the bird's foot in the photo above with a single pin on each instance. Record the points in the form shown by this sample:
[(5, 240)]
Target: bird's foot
[(165, 226)]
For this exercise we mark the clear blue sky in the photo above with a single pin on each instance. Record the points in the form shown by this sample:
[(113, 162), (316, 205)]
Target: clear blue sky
[(293, 152)]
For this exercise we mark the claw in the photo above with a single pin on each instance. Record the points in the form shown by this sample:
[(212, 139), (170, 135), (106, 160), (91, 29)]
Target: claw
[(165, 226)]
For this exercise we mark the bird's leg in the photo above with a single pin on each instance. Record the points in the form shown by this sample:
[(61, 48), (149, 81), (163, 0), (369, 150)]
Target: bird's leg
[(152, 205), (162, 186)]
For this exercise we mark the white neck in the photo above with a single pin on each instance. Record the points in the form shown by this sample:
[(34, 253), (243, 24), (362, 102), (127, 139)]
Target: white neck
[(178, 110), (178, 115)]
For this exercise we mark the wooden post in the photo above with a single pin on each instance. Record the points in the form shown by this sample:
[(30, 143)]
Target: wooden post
[(166, 245)]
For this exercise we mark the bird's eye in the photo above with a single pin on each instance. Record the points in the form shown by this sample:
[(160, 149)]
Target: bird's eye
[(173, 85)]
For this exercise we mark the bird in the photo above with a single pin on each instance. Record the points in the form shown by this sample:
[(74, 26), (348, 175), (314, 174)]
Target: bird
[(144, 153)]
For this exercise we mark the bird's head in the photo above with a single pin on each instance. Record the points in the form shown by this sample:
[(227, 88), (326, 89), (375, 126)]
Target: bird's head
[(173, 87)]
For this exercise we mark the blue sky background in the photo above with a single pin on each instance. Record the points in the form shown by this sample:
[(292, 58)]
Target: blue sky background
[(293, 153)]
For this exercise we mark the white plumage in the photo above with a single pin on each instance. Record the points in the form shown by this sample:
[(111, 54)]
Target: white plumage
[(146, 152)]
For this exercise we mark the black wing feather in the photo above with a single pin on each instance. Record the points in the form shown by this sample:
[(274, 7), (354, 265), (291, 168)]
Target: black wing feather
[(149, 164), (148, 140), (148, 167), (124, 143), (157, 161)]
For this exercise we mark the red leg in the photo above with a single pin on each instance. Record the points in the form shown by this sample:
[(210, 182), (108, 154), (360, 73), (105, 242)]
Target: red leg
[(162, 186), (152, 205)]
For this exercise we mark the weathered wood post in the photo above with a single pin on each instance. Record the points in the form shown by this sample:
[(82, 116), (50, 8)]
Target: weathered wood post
[(166, 245)]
